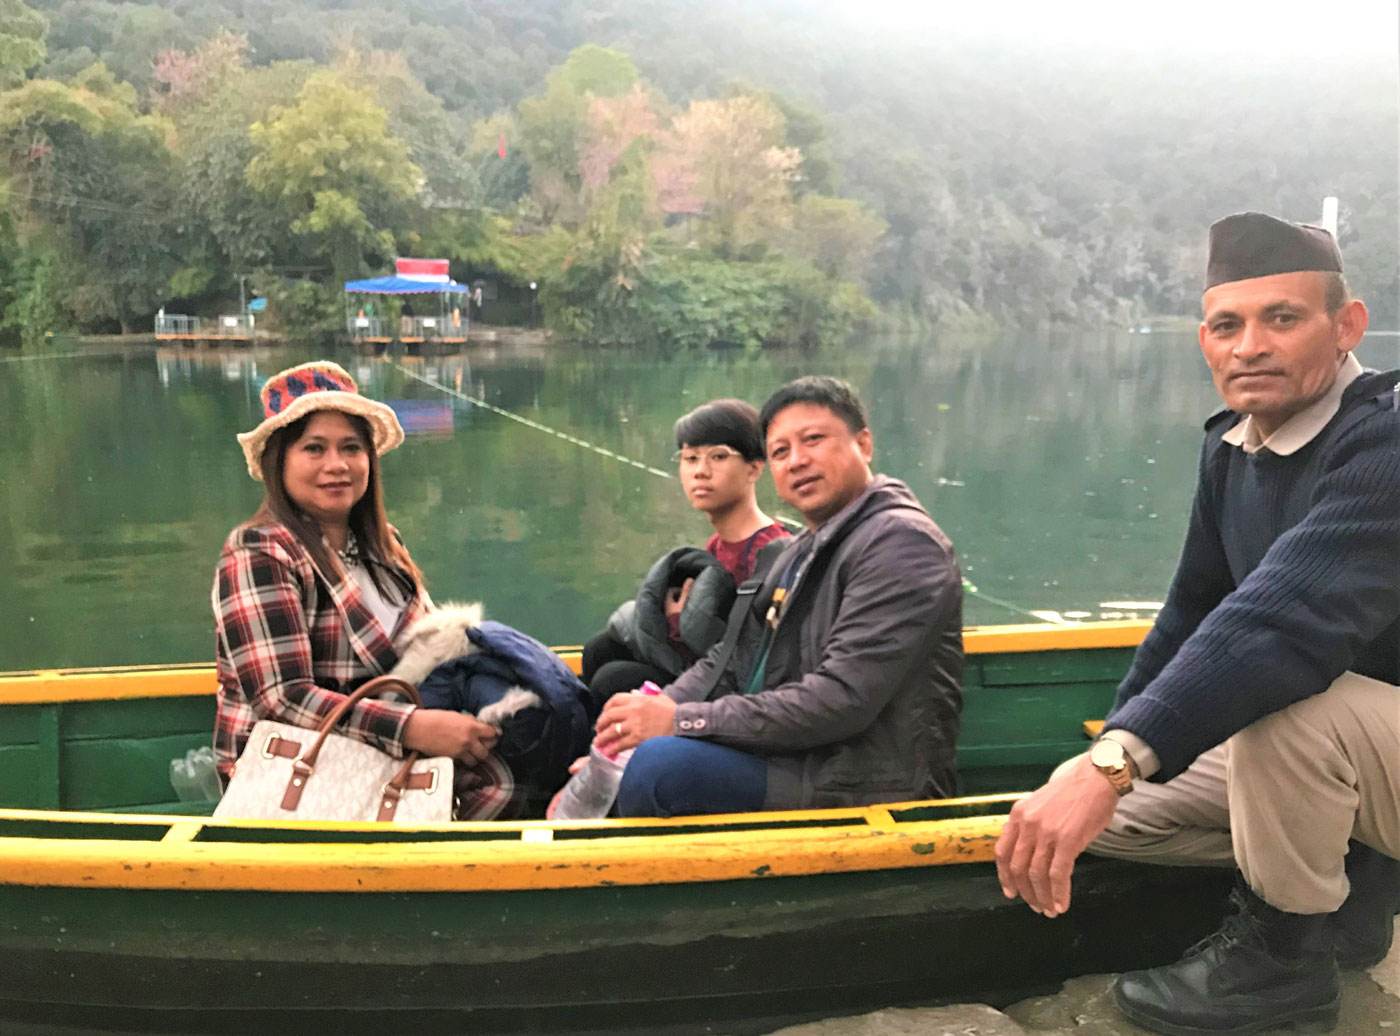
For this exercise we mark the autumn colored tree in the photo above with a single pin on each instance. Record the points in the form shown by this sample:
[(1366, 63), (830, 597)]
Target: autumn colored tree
[(182, 77), (553, 126), (724, 161)]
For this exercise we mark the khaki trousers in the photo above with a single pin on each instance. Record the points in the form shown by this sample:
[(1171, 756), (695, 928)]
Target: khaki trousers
[(1280, 799)]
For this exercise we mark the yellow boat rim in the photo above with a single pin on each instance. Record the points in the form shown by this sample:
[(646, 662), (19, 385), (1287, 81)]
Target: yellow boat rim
[(188, 855)]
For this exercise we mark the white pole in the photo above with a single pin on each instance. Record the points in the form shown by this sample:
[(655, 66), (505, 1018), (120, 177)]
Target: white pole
[(1329, 215)]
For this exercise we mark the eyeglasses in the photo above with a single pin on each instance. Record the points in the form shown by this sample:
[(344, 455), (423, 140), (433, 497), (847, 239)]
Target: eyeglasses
[(694, 458)]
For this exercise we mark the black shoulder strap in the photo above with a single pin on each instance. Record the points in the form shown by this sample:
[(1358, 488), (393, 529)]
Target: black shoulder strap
[(744, 599)]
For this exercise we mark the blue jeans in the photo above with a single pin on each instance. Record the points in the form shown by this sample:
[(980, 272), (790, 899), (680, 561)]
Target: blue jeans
[(680, 776)]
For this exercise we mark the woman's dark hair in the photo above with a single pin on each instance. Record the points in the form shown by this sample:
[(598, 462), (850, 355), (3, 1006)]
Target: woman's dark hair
[(722, 422), (836, 395), (368, 523)]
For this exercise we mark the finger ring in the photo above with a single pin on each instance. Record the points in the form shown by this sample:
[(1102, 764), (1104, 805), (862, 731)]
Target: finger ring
[(618, 728)]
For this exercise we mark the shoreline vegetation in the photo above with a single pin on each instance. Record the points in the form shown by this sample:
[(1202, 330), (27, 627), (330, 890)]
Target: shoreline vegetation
[(661, 177)]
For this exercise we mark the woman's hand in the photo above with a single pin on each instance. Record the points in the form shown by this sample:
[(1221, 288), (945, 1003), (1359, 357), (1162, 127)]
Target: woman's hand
[(574, 767), (629, 719), (444, 732)]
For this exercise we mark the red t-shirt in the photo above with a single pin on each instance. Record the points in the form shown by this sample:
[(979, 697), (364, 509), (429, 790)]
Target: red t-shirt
[(738, 557)]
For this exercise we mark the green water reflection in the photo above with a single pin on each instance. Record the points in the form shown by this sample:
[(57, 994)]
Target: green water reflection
[(1060, 465)]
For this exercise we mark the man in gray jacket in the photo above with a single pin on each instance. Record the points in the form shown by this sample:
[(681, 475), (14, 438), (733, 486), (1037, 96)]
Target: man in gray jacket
[(843, 687)]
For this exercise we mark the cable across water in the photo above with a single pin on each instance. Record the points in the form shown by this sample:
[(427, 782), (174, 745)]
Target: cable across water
[(613, 455), (575, 440)]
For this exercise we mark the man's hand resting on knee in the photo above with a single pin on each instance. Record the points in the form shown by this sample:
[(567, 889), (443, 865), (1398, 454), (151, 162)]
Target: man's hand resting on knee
[(1047, 831)]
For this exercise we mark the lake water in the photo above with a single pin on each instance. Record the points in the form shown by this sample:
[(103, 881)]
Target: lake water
[(1061, 465)]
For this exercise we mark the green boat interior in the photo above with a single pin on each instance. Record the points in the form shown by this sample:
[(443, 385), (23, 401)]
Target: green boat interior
[(1024, 712)]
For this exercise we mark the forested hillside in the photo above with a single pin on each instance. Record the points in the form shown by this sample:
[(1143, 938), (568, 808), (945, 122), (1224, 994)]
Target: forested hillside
[(728, 171)]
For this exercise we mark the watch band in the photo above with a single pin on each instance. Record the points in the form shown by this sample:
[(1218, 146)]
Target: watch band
[(1111, 759)]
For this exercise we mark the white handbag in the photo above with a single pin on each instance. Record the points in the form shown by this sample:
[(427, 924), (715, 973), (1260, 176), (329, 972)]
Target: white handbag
[(297, 773)]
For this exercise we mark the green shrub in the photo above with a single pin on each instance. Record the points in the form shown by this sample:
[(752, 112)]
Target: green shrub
[(681, 302)]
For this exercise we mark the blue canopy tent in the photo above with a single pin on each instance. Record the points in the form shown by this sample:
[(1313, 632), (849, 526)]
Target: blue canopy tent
[(403, 286), (397, 284)]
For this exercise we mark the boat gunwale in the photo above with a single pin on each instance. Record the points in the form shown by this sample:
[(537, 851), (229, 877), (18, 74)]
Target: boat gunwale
[(184, 679), (519, 855)]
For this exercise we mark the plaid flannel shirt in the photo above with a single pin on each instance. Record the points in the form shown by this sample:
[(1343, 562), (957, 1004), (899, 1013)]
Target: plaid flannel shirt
[(291, 643)]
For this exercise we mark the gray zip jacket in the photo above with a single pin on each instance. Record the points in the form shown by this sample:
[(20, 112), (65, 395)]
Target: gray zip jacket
[(861, 693)]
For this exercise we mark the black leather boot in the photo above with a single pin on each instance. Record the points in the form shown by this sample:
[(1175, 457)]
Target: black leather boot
[(1264, 969), (1364, 926)]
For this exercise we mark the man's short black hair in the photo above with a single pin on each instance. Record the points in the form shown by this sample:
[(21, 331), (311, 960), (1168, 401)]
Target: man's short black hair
[(836, 395), (722, 422)]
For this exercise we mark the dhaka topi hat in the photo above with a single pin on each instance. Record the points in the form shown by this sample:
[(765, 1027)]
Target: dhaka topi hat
[(1252, 244), (319, 385)]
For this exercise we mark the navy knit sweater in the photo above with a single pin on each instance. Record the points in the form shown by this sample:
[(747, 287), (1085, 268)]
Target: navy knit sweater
[(1290, 576)]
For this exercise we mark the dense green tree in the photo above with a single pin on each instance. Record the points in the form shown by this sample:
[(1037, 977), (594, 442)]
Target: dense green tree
[(97, 176), (22, 32), (331, 164), (836, 235)]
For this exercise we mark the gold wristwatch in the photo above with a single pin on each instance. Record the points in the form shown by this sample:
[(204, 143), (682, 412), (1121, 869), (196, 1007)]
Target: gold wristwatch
[(1111, 760)]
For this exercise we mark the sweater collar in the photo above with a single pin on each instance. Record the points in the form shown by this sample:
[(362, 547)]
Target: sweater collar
[(1304, 426)]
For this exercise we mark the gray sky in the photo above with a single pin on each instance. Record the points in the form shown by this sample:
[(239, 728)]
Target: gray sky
[(1242, 30)]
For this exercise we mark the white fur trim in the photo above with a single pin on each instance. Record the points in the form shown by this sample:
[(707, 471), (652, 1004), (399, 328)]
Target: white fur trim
[(517, 699), (437, 637)]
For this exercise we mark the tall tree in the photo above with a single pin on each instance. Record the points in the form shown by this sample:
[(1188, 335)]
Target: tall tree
[(725, 160), (22, 32), (98, 176), (836, 235), (553, 125), (331, 164)]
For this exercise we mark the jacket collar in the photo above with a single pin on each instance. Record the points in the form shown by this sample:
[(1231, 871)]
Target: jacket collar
[(879, 494), (371, 642)]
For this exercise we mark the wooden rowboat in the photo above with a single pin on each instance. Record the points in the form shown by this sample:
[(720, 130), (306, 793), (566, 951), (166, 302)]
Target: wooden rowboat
[(123, 911)]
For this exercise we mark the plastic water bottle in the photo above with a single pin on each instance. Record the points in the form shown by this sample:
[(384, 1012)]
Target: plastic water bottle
[(592, 791), (194, 778)]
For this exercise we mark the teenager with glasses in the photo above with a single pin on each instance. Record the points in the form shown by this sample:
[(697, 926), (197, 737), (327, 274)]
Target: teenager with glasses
[(719, 459)]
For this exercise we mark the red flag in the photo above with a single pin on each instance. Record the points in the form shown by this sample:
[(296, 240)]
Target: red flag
[(501, 146)]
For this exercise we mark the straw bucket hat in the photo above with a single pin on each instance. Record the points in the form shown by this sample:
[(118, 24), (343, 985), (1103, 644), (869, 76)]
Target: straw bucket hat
[(319, 385)]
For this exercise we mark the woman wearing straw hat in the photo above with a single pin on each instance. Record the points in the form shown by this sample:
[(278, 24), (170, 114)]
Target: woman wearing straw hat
[(311, 591)]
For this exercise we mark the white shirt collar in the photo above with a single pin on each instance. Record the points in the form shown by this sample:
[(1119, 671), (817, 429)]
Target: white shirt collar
[(1302, 427)]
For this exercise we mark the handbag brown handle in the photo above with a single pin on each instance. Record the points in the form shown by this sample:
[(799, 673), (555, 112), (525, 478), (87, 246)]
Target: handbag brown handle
[(304, 765)]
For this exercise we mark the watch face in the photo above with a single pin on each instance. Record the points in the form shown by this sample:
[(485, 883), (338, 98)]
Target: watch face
[(1108, 754)]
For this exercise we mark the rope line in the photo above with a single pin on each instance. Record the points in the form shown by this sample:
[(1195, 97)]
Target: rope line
[(573, 439), (968, 587), (45, 356)]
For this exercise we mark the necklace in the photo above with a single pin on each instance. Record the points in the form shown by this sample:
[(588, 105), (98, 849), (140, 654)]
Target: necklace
[(350, 556)]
